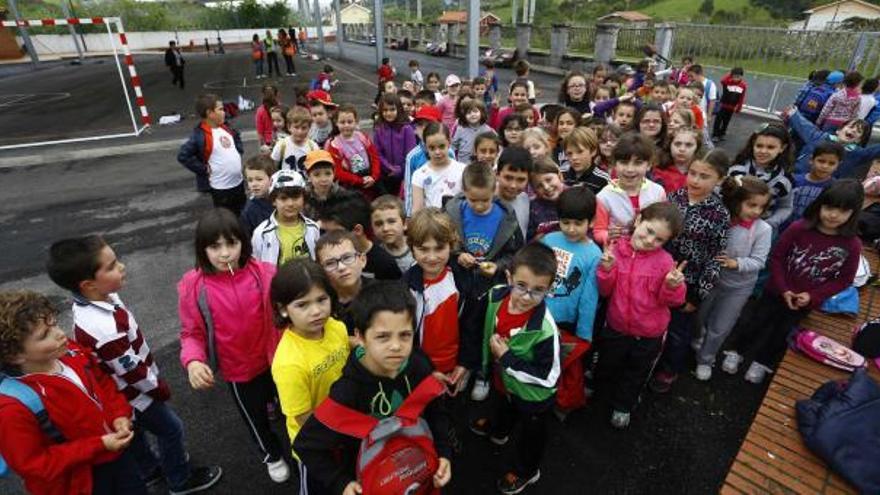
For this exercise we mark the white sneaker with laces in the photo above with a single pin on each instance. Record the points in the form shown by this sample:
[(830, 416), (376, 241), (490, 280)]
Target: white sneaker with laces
[(279, 471), (704, 372), (731, 362), (620, 419), (756, 373), (480, 390)]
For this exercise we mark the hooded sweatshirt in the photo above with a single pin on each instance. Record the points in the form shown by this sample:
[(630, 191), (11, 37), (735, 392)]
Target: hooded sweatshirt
[(393, 142)]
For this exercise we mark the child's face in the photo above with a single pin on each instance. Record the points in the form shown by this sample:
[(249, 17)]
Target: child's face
[(288, 208), (676, 122), (650, 235), (389, 87), (474, 116), (766, 149), (683, 147), (277, 121), (564, 125), (110, 275), (684, 98), (479, 89), (419, 103), (299, 131), (574, 230), (511, 182), (408, 86), (257, 182), (217, 116), (753, 207), (319, 115), (387, 343), (548, 186), (536, 147), (528, 289), (321, 179), (432, 257), (45, 343), (487, 152), (479, 199), (407, 104), (607, 144), (389, 113), (576, 88), (624, 116), (602, 95), (224, 253), (433, 84), (388, 226), (651, 124), (579, 158), (599, 76), (452, 90), (438, 148), (518, 95), (822, 167), (701, 180), (347, 124), (529, 115), (850, 133), (660, 94), (342, 264), (309, 313), (513, 134), (832, 218), (631, 173)]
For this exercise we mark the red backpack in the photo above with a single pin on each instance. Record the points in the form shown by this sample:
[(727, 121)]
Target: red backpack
[(397, 455)]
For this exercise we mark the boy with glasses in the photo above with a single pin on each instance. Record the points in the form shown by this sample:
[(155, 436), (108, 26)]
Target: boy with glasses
[(335, 251)]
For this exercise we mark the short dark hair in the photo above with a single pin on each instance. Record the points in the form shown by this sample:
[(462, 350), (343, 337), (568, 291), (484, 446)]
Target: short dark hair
[(261, 162), (349, 213), (633, 144), (212, 225), (427, 95), (205, 103), (20, 311), (537, 257), (384, 295), (869, 86), (516, 159), (334, 238), (521, 67), (829, 148), (846, 194), (666, 212), (576, 203), (696, 69), (477, 175), (294, 280), (75, 260), (345, 108), (852, 79), (737, 71), (286, 192)]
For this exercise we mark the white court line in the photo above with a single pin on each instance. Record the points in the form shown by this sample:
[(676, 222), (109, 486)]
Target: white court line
[(15, 100)]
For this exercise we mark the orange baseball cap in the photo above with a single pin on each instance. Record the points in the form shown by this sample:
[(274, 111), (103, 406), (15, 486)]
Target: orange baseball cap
[(315, 157)]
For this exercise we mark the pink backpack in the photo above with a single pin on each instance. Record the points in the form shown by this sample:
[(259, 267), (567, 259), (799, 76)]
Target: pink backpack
[(828, 351)]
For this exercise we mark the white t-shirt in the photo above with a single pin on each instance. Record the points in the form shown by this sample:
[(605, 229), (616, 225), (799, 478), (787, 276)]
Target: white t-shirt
[(438, 184), (225, 162), (866, 104), (290, 154)]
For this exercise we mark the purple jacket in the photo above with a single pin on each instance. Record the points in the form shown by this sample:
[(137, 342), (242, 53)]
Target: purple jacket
[(393, 142)]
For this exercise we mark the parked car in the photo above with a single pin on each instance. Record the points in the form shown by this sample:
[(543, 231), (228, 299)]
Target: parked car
[(502, 57)]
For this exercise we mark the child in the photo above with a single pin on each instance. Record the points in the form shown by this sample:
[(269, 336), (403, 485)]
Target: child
[(679, 118), (522, 69), (357, 161), (441, 178), (279, 127), (226, 326), (661, 93), (733, 96), (768, 156), (651, 123), (418, 157), (748, 244), (813, 259), (608, 138), (619, 203), (487, 147), (291, 151), (702, 240), (446, 104), (685, 145), (812, 97), (491, 78), (547, 182), (807, 187), (481, 91), (423, 98), (321, 107), (287, 233), (385, 71), (406, 102), (432, 84), (514, 167), (573, 92), (393, 138), (520, 337), (263, 117), (511, 131), (852, 134), (377, 377), (581, 147), (337, 254), (685, 99), (537, 142), (519, 93), (388, 221), (258, 171), (258, 54), (103, 326), (415, 75), (566, 121), (471, 122), (326, 80), (313, 346), (213, 152), (843, 105), (80, 400), (641, 282), (322, 191)]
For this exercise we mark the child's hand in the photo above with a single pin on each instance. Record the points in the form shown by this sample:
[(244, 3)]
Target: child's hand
[(457, 380), (675, 277), (688, 307), (725, 262), (488, 269), (790, 299), (443, 474), (368, 181), (498, 345), (200, 375), (353, 488), (467, 260), (122, 424), (116, 441), (607, 260), (802, 299), (615, 231), (626, 97)]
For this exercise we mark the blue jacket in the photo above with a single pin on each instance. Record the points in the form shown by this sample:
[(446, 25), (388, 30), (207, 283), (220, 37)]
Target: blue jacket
[(853, 157), (196, 151), (255, 211), (576, 292), (874, 114)]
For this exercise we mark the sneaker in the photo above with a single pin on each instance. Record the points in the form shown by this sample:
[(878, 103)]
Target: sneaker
[(480, 390), (620, 419), (662, 381), (704, 372), (510, 483), (278, 471), (200, 479), (732, 360), (499, 440), (481, 428), (756, 373)]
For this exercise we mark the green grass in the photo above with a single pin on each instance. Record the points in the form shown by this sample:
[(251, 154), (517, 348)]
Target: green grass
[(686, 10)]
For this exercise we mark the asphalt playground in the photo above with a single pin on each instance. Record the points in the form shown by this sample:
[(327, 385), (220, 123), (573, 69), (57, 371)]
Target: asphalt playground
[(133, 192)]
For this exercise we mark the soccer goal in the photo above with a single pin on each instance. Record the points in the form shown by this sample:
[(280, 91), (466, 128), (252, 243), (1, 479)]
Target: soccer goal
[(117, 42)]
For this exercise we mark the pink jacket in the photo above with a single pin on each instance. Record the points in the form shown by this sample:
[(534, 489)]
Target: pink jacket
[(639, 299), (244, 334), (265, 130)]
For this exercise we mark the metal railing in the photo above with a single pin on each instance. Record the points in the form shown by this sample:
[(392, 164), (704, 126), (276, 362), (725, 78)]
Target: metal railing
[(582, 39), (631, 40)]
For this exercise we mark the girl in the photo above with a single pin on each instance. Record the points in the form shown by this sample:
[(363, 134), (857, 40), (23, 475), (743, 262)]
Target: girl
[(641, 282), (685, 145), (512, 128), (852, 135), (279, 128), (441, 178), (651, 123), (264, 118), (702, 240), (356, 160), (815, 258), (597, 79), (226, 326), (446, 104), (574, 92), (537, 142), (519, 94), (487, 147), (288, 50), (621, 111), (768, 156), (603, 93), (471, 123), (565, 122), (748, 244), (258, 53), (681, 117), (384, 87), (608, 138), (393, 138), (432, 83)]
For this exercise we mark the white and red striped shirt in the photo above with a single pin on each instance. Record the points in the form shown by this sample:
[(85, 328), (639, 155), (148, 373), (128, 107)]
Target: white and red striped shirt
[(112, 335)]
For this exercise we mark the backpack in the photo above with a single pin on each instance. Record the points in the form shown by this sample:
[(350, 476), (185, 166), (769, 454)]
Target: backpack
[(814, 100), (397, 455), (827, 351), (23, 393)]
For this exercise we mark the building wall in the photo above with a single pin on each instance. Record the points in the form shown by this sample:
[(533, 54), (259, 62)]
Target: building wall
[(355, 16), (821, 19)]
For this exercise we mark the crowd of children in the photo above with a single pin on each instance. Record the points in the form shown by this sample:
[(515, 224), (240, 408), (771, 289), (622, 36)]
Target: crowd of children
[(377, 277)]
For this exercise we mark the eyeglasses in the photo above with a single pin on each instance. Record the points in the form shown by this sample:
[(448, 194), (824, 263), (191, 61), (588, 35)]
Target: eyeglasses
[(533, 294), (333, 264)]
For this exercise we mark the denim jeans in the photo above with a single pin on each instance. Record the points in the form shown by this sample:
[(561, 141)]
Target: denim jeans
[(164, 424), (258, 67)]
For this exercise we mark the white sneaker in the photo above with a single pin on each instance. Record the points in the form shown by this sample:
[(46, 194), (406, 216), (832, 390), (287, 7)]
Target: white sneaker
[(756, 373), (620, 419), (278, 471), (704, 372), (731, 363), (480, 390)]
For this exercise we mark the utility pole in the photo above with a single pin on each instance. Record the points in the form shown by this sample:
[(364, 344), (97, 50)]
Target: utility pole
[(318, 24), (380, 31), (24, 34), (340, 53), (473, 38)]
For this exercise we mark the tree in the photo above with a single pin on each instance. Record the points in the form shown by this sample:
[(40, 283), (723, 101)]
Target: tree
[(707, 7)]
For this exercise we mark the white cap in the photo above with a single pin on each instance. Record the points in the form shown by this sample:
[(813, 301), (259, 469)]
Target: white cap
[(452, 79), (286, 178)]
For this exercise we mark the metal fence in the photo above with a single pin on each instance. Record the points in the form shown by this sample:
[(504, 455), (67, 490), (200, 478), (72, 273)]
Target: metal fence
[(540, 38), (582, 39), (631, 40)]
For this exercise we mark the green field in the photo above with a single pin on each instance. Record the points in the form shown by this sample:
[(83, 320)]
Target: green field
[(686, 10)]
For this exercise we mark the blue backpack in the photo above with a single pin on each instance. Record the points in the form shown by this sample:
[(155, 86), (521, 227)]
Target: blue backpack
[(811, 105), (16, 389)]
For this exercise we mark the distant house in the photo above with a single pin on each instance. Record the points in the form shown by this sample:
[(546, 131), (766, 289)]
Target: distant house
[(354, 13), (630, 17), (831, 15), (460, 17)]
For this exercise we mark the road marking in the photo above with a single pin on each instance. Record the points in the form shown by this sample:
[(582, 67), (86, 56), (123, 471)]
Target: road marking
[(356, 76), (19, 99)]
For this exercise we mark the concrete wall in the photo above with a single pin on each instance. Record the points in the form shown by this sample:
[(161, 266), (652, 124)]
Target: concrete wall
[(820, 19)]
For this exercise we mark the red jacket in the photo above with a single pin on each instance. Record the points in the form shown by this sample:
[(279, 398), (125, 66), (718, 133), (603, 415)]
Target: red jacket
[(62, 468), (265, 129), (386, 73), (344, 175), (733, 93)]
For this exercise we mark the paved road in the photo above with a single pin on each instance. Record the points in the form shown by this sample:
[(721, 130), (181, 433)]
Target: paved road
[(145, 205)]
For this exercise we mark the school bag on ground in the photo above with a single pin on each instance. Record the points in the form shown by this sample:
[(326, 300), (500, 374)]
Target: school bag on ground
[(827, 351), (397, 454), (23, 393)]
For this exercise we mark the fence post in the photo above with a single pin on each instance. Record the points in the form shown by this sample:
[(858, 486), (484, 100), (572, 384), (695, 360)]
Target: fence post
[(606, 43), (495, 36), (436, 34), (859, 52), (523, 38), (558, 43), (452, 33), (421, 30), (664, 36)]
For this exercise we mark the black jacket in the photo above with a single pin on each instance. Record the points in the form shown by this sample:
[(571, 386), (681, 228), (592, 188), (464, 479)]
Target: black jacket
[(170, 59)]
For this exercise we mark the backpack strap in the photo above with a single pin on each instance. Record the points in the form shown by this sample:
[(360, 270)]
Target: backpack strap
[(429, 389), (23, 393), (345, 420), (202, 301)]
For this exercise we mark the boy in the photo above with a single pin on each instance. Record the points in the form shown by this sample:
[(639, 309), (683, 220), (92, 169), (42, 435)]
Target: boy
[(385, 71), (320, 107), (384, 367), (353, 215), (103, 326), (290, 152), (522, 70), (337, 253), (287, 233), (406, 101), (710, 90), (388, 221), (514, 167), (423, 98), (581, 147), (323, 193), (213, 152), (481, 91), (813, 99), (733, 96), (661, 93), (258, 172), (79, 399), (488, 74), (523, 342), (415, 75), (826, 158), (548, 184), (326, 79)]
